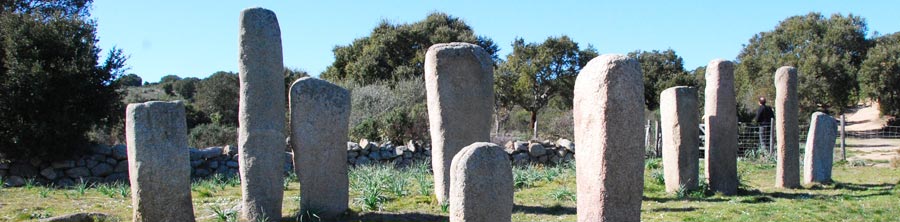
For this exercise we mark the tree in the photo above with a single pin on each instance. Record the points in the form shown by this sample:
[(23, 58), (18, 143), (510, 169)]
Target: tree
[(186, 88), (540, 71), (218, 96), (54, 86), (879, 76), (129, 80), (826, 51), (661, 70), (396, 52)]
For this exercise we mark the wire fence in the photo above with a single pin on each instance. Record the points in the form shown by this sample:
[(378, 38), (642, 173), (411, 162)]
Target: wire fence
[(762, 137)]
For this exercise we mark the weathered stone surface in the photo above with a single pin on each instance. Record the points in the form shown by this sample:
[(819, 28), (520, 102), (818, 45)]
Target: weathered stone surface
[(320, 112), (787, 132), (49, 173), (78, 172), (459, 81), (608, 107), (101, 149), (481, 184), (120, 152), (819, 155), (63, 164), (681, 138), (102, 170), (23, 169), (567, 144), (720, 115), (261, 115), (14, 181), (158, 161), (536, 149)]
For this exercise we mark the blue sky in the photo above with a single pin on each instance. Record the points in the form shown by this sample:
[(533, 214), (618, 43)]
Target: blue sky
[(198, 38)]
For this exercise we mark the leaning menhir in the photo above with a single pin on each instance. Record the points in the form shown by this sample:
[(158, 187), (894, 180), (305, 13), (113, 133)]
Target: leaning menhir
[(261, 115), (158, 161), (459, 80), (608, 110), (819, 148), (320, 112)]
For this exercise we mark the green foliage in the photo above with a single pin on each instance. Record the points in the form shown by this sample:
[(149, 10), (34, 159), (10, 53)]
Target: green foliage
[(207, 135), (534, 73), (661, 69), (219, 94), (129, 80), (389, 111), (397, 51), (879, 76), (826, 51), (185, 87), (48, 53)]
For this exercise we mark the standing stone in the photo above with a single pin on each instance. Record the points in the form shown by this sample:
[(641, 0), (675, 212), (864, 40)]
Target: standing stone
[(158, 161), (459, 81), (608, 112), (787, 132), (819, 148), (320, 112), (681, 138), (481, 184), (720, 110), (261, 115)]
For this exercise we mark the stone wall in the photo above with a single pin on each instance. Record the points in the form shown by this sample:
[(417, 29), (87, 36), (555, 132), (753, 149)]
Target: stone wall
[(109, 164)]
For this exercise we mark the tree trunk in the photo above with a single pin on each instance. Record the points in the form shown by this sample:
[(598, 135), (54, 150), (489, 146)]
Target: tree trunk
[(533, 124)]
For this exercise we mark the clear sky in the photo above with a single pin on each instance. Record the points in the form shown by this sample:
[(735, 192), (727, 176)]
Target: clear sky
[(196, 38)]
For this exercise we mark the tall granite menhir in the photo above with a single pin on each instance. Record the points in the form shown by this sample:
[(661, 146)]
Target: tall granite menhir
[(609, 112), (261, 115), (681, 138), (159, 165), (320, 112), (481, 184), (720, 114), (459, 81), (787, 133), (819, 148)]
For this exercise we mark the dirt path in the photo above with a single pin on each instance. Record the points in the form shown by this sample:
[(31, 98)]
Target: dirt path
[(878, 152)]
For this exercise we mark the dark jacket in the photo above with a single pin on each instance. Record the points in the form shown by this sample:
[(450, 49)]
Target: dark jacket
[(764, 114)]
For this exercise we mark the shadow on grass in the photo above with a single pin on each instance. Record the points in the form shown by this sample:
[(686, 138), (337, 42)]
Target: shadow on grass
[(555, 210), (390, 216), (694, 199), (670, 209)]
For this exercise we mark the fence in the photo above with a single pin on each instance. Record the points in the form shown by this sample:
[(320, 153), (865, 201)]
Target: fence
[(750, 138)]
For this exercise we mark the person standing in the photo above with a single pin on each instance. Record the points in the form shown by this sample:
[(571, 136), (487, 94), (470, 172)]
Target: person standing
[(764, 115)]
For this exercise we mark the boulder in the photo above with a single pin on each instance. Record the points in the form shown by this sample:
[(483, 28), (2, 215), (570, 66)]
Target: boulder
[(14, 181), (120, 152), (64, 164), (536, 149), (567, 144), (101, 149), (78, 172), (23, 169), (49, 173), (80, 217), (102, 170)]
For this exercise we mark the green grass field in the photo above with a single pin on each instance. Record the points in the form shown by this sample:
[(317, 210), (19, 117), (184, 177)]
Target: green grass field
[(542, 194)]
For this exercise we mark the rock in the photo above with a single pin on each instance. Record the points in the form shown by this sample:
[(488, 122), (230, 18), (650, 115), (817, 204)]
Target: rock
[(481, 184), (101, 149), (388, 154), (521, 146), (49, 173), (374, 156), (120, 152), (116, 177), (78, 172), (201, 172), (412, 146), (608, 111), (407, 155), (111, 161), (363, 152), (14, 181), (536, 150), (91, 163), (366, 145), (569, 157), (196, 163), (510, 147), (230, 150), (63, 164), (23, 169), (213, 164), (819, 148), (320, 112), (561, 152), (459, 81), (232, 164), (547, 144), (387, 146), (542, 159), (520, 159), (400, 150), (64, 182), (159, 165), (787, 132), (720, 116), (681, 139), (363, 160), (80, 217), (568, 144), (122, 166), (352, 155), (351, 146), (209, 153)]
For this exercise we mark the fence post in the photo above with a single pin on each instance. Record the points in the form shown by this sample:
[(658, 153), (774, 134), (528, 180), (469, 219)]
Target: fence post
[(647, 135), (843, 138), (772, 135), (658, 140)]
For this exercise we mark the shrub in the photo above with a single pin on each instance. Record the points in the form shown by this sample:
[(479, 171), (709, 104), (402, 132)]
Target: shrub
[(207, 135), (389, 111), (219, 94)]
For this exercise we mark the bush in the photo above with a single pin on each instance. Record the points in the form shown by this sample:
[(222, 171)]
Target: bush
[(53, 85), (389, 111), (366, 129), (207, 135), (218, 95)]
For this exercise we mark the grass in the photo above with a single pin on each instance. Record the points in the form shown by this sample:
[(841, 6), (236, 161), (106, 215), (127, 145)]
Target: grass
[(543, 193)]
